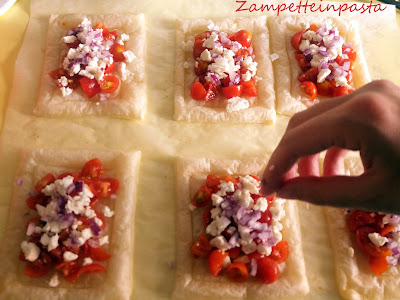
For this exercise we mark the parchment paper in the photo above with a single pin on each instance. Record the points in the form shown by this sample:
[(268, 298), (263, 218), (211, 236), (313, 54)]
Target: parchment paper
[(160, 138)]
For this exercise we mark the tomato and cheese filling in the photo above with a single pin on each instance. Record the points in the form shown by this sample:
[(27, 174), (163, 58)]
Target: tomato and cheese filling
[(378, 236), (68, 233), (242, 229), (224, 63), (326, 60), (93, 55)]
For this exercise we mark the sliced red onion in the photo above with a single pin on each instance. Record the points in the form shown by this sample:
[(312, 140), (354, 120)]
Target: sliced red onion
[(95, 228), (233, 241), (346, 51), (266, 235), (71, 188), (217, 43), (322, 48), (254, 216), (253, 267), (71, 32), (308, 57), (69, 218), (324, 65), (103, 97), (395, 251), (348, 45), (391, 260), (224, 38), (235, 80), (74, 240), (260, 226), (250, 50), (323, 53), (346, 65), (214, 78), (93, 243), (307, 52), (31, 229), (78, 186), (235, 47), (394, 219), (19, 182)]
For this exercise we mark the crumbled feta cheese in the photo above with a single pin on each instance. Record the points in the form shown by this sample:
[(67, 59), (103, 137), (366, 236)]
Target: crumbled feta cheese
[(216, 199), (250, 183), (323, 74), (243, 197), (44, 239), (186, 65), (265, 250), (351, 251), (246, 76), (69, 256), (209, 42), (192, 207), (108, 213), (54, 280), (103, 240), (87, 261), (377, 239), (31, 251), (225, 187), (304, 45), (53, 242), (220, 242), (261, 205), (274, 56), (205, 55), (212, 228), (69, 39), (63, 81), (236, 104), (215, 212), (249, 248), (123, 71), (124, 37), (129, 56)]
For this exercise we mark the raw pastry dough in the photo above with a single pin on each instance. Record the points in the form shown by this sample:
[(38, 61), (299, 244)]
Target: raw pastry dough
[(117, 282), (354, 278), (193, 278), (262, 107), (130, 100), (290, 97)]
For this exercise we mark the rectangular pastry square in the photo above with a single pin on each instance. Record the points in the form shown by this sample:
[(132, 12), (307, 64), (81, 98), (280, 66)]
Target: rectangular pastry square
[(117, 280), (261, 108), (291, 98), (193, 278), (128, 101), (354, 278)]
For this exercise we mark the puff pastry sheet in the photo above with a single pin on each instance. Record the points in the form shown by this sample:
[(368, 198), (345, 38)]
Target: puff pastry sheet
[(262, 107), (354, 278), (290, 97), (193, 278), (117, 282), (129, 100)]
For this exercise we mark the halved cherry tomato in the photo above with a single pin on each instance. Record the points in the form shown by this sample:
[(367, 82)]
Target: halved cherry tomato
[(299, 55), (68, 269), (109, 84), (349, 77), (103, 187), (35, 270), (296, 39), (57, 73), (201, 68), (92, 169), (304, 64), (237, 272), (117, 51), (386, 230), (367, 246), (103, 220), (110, 68), (202, 197), (47, 179), (267, 270), (201, 247), (243, 37), (352, 55), (255, 255), (212, 182), (212, 91), (310, 89), (206, 217), (234, 252), (98, 253), (90, 86), (359, 218), (378, 265), (324, 88), (338, 91), (90, 269), (309, 75), (198, 48), (249, 88), (110, 35), (280, 252), (229, 178), (216, 261), (197, 91), (38, 199)]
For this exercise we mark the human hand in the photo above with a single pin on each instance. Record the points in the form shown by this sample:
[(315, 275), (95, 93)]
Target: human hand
[(367, 120)]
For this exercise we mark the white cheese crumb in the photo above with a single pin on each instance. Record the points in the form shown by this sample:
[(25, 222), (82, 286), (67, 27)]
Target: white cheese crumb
[(377, 239), (186, 65), (264, 249), (31, 251), (103, 240), (87, 261), (351, 251), (108, 212), (69, 256), (274, 56), (323, 74), (220, 242), (205, 55), (129, 56), (261, 205), (54, 280)]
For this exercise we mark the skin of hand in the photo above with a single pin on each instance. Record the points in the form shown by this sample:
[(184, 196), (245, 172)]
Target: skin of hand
[(368, 121)]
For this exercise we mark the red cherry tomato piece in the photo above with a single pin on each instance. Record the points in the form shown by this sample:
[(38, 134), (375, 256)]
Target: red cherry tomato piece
[(338, 91), (216, 261), (310, 75), (324, 88), (98, 254), (280, 252), (296, 39), (243, 37), (359, 218), (110, 68), (249, 88), (378, 265), (237, 272), (234, 252), (232, 91), (117, 51), (212, 182), (212, 91), (47, 179), (310, 89), (57, 73), (202, 197), (198, 48), (367, 246), (90, 86), (92, 169), (109, 84), (197, 91), (201, 247), (267, 270)]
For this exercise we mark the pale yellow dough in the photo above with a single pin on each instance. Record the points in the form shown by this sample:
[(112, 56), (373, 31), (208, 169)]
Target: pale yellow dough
[(354, 278), (117, 282), (193, 278), (262, 107), (290, 96), (129, 101)]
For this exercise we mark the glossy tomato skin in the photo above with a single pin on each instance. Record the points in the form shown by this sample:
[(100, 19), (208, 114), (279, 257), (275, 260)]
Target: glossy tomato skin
[(324, 88), (338, 91), (243, 37), (92, 169), (201, 247), (309, 75), (212, 182), (117, 51), (280, 252), (366, 245), (202, 197), (212, 91), (197, 91), (232, 91), (249, 88), (90, 86), (237, 272), (378, 264), (216, 261), (267, 270), (296, 39), (47, 179), (359, 218), (310, 89), (109, 84)]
